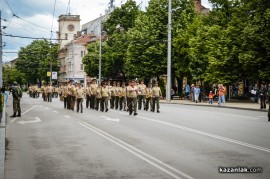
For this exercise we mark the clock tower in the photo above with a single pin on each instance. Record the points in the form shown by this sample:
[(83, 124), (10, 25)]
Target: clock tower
[(69, 26)]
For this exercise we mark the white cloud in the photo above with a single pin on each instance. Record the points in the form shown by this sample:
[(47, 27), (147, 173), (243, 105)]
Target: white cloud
[(40, 13)]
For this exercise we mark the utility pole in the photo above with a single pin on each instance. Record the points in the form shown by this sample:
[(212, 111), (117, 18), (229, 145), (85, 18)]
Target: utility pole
[(168, 87), (1, 54), (100, 50), (51, 63)]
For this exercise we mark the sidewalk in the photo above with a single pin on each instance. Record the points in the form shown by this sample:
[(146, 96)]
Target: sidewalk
[(245, 105), (2, 151)]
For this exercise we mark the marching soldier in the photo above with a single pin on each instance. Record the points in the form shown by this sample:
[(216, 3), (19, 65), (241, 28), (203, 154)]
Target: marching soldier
[(65, 96), (148, 92), (43, 91), (132, 93), (17, 95), (69, 86), (141, 95), (79, 97), (117, 94), (49, 91), (98, 97), (112, 91), (72, 97), (56, 91), (93, 94), (156, 94), (105, 94), (88, 95), (122, 97)]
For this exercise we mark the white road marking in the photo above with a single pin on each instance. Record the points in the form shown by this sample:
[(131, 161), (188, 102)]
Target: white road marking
[(24, 113), (25, 122), (55, 111), (138, 153), (110, 119), (67, 116), (206, 134)]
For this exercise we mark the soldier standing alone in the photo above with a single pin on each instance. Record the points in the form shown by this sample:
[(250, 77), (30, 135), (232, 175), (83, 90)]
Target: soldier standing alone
[(17, 95)]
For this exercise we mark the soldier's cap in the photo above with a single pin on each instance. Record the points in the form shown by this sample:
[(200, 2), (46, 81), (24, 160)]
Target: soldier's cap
[(15, 83)]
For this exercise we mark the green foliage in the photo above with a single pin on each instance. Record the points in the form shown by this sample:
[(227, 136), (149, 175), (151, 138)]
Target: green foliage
[(91, 60), (35, 59), (11, 74)]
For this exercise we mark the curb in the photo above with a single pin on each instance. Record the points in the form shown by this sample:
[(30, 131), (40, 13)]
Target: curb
[(2, 151), (229, 107)]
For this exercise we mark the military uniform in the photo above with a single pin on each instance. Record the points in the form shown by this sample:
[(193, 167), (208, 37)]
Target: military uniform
[(42, 88), (80, 92), (49, 91), (141, 95), (105, 94), (117, 95), (112, 91), (132, 93), (88, 95), (122, 97), (17, 94), (98, 98), (93, 93), (156, 93), (148, 92)]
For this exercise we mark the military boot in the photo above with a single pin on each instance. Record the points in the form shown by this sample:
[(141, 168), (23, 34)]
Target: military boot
[(19, 114), (14, 115)]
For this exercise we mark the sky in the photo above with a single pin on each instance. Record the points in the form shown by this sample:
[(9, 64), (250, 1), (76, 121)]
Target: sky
[(36, 18)]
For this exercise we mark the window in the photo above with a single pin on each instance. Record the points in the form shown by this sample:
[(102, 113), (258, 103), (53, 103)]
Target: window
[(81, 67), (81, 53)]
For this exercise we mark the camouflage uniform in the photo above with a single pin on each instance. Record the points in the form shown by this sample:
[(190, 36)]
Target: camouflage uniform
[(16, 93)]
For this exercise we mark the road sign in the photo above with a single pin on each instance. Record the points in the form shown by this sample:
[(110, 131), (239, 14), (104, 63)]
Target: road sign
[(54, 75), (48, 73)]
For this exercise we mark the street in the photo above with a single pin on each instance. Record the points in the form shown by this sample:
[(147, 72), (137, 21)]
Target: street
[(49, 142)]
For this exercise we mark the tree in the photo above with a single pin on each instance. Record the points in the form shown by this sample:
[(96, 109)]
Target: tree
[(11, 74), (35, 59), (121, 20), (91, 60)]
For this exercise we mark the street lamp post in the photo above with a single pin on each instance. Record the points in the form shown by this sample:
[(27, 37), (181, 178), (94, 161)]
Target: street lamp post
[(100, 50), (168, 87)]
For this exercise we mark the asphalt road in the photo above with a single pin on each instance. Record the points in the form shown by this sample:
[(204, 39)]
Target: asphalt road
[(49, 142)]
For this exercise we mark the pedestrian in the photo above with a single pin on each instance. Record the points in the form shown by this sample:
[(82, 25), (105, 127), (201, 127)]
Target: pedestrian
[(112, 91), (256, 93), (156, 95), (196, 93), (262, 96), (187, 91), (141, 95), (17, 95), (80, 93), (132, 93), (105, 94), (210, 97), (148, 92), (221, 94), (192, 93)]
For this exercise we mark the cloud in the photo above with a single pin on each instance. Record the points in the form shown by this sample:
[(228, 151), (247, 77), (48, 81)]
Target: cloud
[(40, 12)]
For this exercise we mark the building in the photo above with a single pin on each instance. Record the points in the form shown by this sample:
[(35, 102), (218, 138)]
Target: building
[(93, 27), (71, 49), (200, 8)]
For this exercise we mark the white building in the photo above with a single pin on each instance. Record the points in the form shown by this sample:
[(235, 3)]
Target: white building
[(71, 49)]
